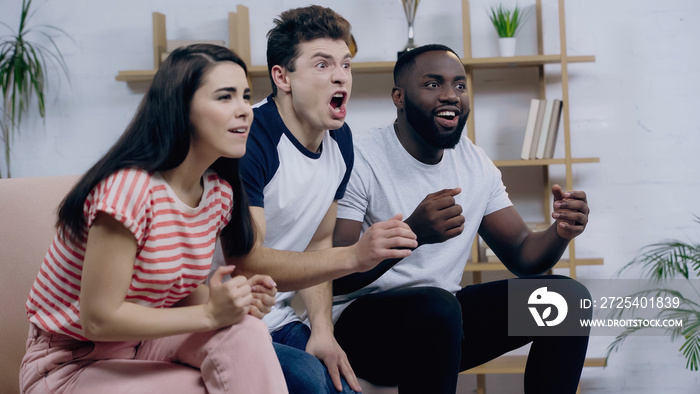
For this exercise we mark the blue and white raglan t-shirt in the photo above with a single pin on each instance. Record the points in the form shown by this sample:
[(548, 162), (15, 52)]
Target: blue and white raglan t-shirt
[(295, 186)]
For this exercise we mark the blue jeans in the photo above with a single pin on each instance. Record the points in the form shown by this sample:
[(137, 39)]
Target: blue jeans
[(305, 374)]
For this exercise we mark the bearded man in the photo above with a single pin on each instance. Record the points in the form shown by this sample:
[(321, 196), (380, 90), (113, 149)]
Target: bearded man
[(408, 322)]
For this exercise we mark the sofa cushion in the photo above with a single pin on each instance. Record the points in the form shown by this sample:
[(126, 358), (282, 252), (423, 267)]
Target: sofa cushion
[(27, 216)]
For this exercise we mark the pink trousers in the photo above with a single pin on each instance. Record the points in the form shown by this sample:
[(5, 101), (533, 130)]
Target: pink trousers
[(237, 359)]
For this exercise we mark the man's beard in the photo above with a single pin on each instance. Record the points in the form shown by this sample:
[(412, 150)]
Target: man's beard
[(424, 124)]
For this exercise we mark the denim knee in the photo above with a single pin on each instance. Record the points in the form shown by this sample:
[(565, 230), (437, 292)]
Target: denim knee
[(303, 372)]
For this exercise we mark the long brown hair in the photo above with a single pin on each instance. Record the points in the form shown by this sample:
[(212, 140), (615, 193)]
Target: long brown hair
[(158, 139)]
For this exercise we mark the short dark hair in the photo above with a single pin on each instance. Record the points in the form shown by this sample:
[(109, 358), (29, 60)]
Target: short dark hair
[(300, 25), (407, 60)]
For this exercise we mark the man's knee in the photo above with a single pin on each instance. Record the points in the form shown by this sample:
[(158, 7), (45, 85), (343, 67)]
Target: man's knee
[(578, 289), (303, 372), (573, 291), (437, 309)]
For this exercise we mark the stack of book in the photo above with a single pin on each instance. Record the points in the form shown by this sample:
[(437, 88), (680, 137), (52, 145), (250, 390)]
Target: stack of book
[(541, 129)]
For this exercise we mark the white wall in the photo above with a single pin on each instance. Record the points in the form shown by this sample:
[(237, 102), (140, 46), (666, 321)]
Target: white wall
[(633, 108)]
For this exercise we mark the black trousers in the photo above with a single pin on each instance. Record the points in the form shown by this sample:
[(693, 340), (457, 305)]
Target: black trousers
[(420, 338)]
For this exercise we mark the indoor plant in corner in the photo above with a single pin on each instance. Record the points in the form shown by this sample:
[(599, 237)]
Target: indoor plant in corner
[(506, 21), (662, 263), (23, 72)]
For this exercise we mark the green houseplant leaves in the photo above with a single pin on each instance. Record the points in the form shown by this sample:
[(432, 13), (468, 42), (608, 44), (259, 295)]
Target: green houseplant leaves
[(23, 71), (505, 20), (665, 261)]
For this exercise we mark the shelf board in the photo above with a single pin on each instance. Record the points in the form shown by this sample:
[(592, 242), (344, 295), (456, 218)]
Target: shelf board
[(483, 62), (524, 61), (543, 162), (136, 75), (498, 266), (388, 66), (516, 364), (373, 67), (258, 71), (147, 75)]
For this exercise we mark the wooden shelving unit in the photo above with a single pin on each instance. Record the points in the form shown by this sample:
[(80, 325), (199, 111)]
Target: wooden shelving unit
[(497, 266), (513, 364), (238, 35), (475, 267), (516, 364), (539, 61), (239, 41), (388, 67)]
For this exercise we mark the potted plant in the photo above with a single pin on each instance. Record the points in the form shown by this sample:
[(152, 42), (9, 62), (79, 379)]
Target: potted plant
[(660, 263), (506, 21), (23, 72)]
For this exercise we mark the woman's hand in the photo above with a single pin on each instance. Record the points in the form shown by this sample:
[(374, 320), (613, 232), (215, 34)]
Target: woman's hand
[(228, 301), (264, 290)]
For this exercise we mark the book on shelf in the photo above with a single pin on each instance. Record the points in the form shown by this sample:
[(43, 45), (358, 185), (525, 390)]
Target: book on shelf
[(541, 129), (553, 129), (544, 130), (538, 129), (530, 128)]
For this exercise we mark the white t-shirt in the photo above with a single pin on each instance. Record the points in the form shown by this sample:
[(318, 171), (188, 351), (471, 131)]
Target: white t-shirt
[(387, 180), (295, 186)]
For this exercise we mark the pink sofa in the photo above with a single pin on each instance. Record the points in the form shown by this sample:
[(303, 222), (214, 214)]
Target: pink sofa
[(27, 216)]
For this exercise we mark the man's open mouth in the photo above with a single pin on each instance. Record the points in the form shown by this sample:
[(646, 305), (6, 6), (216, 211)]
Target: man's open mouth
[(337, 101), (449, 115)]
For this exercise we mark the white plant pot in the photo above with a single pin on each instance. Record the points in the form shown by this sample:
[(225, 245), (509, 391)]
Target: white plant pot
[(506, 46)]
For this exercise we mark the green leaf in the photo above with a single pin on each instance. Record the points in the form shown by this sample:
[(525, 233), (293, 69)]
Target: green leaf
[(23, 65), (506, 21), (664, 261), (691, 350)]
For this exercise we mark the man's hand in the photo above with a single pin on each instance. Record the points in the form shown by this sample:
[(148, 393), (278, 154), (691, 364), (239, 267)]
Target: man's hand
[(570, 211), (390, 239), (437, 218), (326, 348), (264, 290)]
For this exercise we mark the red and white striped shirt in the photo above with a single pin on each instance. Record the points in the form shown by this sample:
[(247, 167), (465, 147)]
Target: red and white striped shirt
[(175, 245)]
